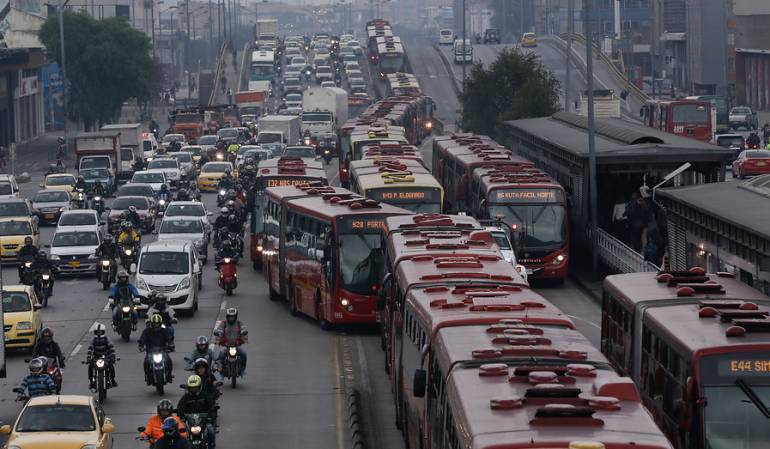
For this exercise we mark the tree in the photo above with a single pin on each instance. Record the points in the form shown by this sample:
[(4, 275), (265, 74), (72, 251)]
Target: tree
[(515, 86), (108, 62)]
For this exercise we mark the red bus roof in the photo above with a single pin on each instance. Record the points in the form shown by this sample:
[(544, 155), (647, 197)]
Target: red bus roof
[(344, 204), (414, 224), (300, 190), (695, 310), (409, 244), (295, 169), (465, 270), (395, 165), (461, 139), (498, 407), (511, 176)]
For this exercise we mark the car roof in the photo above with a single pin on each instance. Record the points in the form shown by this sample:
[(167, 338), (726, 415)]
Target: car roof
[(140, 184), (186, 203), (81, 211), (67, 399), (181, 218), (167, 245), (7, 219), (59, 175), (18, 288)]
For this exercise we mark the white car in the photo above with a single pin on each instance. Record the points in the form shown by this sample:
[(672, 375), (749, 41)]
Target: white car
[(75, 250), (328, 84), (173, 268), (168, 138), (149, 145), (79, 220), (190, 209), (153, 178), (356, 46), (504, 242), (186, 163), (8, 187), (169, 166), (185, 228)]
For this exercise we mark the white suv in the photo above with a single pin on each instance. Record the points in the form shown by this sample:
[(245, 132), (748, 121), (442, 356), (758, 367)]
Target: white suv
[(171, 267)]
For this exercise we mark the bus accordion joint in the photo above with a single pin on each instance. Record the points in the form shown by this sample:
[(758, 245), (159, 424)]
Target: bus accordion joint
[(565, 414)]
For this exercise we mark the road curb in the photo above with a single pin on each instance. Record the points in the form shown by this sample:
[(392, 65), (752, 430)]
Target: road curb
[(354, 419), (356, 411), (448, 68)]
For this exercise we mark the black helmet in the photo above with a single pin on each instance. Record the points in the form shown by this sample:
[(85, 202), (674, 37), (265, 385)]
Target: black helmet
[(60, 140), (108, 238), (163, 187), (169, 426), (100, 330), (231, 315), (42, 255), (182, 193), (122, 277), (224, 211), (81, 179), (226, 245), (36, 366), (165, 404), (201, 363), (47, 335), (202, 344)]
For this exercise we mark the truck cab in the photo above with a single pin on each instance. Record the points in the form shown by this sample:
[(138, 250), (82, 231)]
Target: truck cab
[(190, 124)]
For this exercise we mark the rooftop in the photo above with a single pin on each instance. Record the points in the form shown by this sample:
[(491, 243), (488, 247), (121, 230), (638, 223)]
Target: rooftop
[(457, 270)]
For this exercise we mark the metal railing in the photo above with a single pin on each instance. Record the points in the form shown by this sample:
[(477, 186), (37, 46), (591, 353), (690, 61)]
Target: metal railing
[(620, 257), (218, 74)]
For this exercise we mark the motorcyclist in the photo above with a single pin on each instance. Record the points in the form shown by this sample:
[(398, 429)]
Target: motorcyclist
[(80, 183), (227, 181), (227, 250), (249, 168), (753, 139), (223, 219), (232, 149), (195, 401), (164, 193), (153, 431), (45, 346), (133, 216), (37, 383), (202, 368), (41, 263), (154, 336), (128, 236), (182, 195), (154, 127), (28, 252), (231, 331), (139, 164), (122, 293), (101, 347), (171, 438), (202, 351), (159, 305), (108, 250)]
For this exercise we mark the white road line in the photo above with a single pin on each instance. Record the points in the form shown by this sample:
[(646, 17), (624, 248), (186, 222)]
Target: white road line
[(106, 307), (76, 350), (223, 306)]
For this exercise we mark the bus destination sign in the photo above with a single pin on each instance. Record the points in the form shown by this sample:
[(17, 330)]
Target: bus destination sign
[(357, 224), (525, 195), (284, 182), (724, 367), (406, 195)]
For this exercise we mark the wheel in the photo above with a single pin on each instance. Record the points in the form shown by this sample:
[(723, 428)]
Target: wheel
[(100, 387), (293, 309), (45, 300), (200, 282), (233, 380), (229, 290)]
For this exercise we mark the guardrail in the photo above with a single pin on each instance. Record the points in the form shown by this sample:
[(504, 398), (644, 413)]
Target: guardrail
[(243, 72), (218, 74), (620, 257), (617, 73)]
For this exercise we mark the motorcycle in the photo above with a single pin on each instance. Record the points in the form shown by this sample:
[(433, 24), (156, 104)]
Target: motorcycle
[(228, 276), (231, 366), (97, 204), (158, 376), (126, 318), (197, 431), (106, 272), (52, 368), (100, 377), (327, 155), (127, 256), (160, 210), (27, 274), (221, 197), (44, 285), (81, 200)]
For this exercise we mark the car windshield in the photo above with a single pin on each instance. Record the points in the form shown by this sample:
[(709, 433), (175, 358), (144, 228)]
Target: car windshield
[(148, 178), (185, 210), (181, 227), (162, 163), (173, 138), (97, 162), (129, 190), (228, 132), (78, 219), (316, 117), (14, 209), (741, 111), (94, 173), (294, 97), (502, 240), (15, 228), (56, 418), (215, 168), (166, 262), (60, 181), (126, 202), (50, 197), (208, 140), (183, 157), (75, 239), (257, 155), (268, 137), (539, 225), (726, 141), (195, 151), (361, 260), (16, 302), (299, 152), (293, 82)]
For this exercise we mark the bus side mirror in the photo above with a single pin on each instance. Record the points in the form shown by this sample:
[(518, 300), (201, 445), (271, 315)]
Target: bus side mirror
[(381, 299), (683, 407), (419, 383)]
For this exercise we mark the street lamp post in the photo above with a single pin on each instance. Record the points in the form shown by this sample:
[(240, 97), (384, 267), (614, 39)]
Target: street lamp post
[(463, 47), (63, 67), (593, 194)]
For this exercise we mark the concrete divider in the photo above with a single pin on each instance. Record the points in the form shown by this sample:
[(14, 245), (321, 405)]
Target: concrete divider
[(448, 66), (218, 74)]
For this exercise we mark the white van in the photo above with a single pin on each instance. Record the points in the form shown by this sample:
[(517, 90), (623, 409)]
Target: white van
[(446, 36), (171, 267), (463, 55)]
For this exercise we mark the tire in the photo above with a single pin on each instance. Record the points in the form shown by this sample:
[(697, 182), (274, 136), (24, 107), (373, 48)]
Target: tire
[(200, 282), (233, 380), (45, 300), (105, 285), (293, 309), (101, 387), (125, 333), (229, 290)]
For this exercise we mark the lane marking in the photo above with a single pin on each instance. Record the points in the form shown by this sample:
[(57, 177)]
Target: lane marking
[(223, 306), (338, 387), (106, 307), (77, 349)]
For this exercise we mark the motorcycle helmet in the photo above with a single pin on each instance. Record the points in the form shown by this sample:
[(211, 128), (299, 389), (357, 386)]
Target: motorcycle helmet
[(122, 277), (108, 238), (36, 366), (47, 335), (163, 188), (132, 209), (156, 320), (169, 426), (81, 179), (227, 246), (99, 330), (224, 211), (202, 344), (42, 255), (201, 363), (194, 384), (231, 315), (230, 204), (165, 405), (60, 140)]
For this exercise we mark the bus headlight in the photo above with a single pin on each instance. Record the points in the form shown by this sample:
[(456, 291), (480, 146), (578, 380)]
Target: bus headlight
[(344, 302), (259, 248), (559, 259)]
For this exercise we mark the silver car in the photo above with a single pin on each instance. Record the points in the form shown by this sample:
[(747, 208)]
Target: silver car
[(185, 228)]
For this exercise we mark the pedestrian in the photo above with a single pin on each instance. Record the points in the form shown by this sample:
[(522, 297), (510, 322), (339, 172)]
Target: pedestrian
[(229, 96), (639, 215), (619, 219)]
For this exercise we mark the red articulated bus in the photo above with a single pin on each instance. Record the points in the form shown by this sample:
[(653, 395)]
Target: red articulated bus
[(697, 346), (686, 118), (394, 152), (328, 255), (276, 173)]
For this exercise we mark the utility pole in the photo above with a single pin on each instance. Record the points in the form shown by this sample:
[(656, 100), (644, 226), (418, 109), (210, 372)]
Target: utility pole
[(224, 20), (587, 5), (187, 39), (211, 31), (63, 69), (152, 21), (570, 30), (463, 47)]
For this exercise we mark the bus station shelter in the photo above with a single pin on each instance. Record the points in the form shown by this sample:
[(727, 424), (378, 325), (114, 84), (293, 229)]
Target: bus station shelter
[(721, 227), (628, 156)]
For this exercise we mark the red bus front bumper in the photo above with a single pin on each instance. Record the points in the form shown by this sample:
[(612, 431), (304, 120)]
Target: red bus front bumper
[(352, 308), (552, 266)]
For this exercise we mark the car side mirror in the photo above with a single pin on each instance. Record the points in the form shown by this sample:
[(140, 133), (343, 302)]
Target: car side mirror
[(41, 186), (5, 430), (419, 383), (108, 427), (47, 246), (209, 214), (102, 223)]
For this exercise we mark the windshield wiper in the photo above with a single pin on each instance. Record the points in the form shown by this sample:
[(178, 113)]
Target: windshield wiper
[(754, 397)]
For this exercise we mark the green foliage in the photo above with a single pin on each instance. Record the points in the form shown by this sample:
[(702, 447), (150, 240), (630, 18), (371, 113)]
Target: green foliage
[(515, 86), (108, 62)]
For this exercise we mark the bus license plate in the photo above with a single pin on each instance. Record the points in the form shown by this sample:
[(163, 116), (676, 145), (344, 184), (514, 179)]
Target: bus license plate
[(761, 164), (74, 264)]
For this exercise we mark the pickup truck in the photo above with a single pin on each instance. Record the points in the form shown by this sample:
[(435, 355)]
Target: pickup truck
[(743, 116)]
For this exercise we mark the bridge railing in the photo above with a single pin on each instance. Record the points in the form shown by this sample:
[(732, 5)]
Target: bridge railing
[(620, 257)]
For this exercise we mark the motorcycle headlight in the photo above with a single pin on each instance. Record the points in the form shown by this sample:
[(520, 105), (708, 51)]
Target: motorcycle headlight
[(220, 156), (126, 309), (307, 141), (80, 196), (105, 263), (184, 284), (100, 363), (27, 264), (232, 351), (222, 192), (46, 277), (61, 209), (227, 260), (157, 358), (97, 198), (24, 325), (128, 252), (162, 202), (140, 284), (195, 430)]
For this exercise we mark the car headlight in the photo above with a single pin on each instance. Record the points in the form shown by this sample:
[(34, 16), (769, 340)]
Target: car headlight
[(259, 248), (140, 284), (24, 325), (61, 209), (157, 358), (126, 309), (54, 257), (46, 277), (195, 430), (232, 351), (184, 284), (105, 263)]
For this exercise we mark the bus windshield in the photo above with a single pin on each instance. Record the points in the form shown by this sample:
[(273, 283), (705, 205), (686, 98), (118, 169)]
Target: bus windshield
[(690, 113), (360, 255), (391, 64), (538, 225), (266, 69)]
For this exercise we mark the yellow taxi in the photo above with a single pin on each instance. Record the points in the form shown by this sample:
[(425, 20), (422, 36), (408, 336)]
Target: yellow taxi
[(211, 173), (529, 40), (61, 422), (21, 321), (60, 181), (12, 234)]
